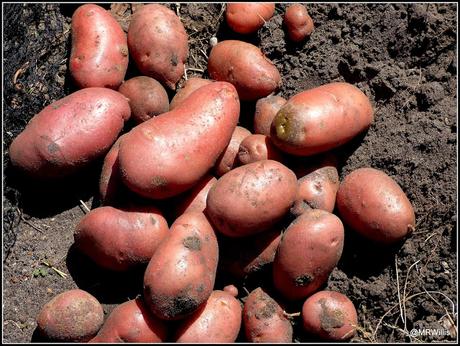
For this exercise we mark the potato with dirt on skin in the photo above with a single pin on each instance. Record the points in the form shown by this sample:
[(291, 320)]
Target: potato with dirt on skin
[(231, 289), (266, 109), (190, 86), (158, 43), (248, 17), (308, 252), (169, 154), (71, 316), (373, 204), (147, 98), (70, 133), (181, 273), (330, 316), (321, 119), (256, 148), (131, 322), (251, 198), (264, 319), (218, 321), (246, 67), (298, 22), (99, 53)]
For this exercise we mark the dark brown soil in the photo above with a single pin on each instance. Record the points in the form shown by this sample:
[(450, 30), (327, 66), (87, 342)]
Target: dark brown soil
[(403, 56)]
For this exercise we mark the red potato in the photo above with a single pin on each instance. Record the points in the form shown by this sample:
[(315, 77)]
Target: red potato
[(99, 54), (181, 273), (317, 190), (158, 43), (251, 198), (321, 119), (218, 321), (298, 22), (232, 290), (190, 86), (374, 205), (330, 316), (147, 98), (170, 153), (266, 109), (131, 322), (256, 148), (228, 159), (71, 316), (246, 67), (70, 133), (308, 251), (247, 17), (264, 320), (119, 239)]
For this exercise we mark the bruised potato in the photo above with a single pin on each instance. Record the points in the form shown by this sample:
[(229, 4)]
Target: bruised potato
[(247, 17)]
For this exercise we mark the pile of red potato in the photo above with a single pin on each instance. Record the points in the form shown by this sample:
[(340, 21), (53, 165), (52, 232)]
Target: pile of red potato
[(238, 200)]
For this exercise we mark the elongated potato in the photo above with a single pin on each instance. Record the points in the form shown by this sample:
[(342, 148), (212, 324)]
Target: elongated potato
[(256, 148), (321, 119), (264, 319), (119, 239), (218, 321), (170, 153), (246, 67), (266, 109), (308, 251), (247, 17), (158, 43), (131, 322), (99, 54), (251, 198), (374, 205), (180, 276), (229, 157), (190, 86), (70, 133), (298, 22)]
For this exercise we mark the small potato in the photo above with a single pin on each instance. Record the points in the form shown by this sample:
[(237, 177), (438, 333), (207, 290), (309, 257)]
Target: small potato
[(246, 67), (70, 133), (72, 316), (298, 22), (232, 290), (218, 321), (256, 148), (330, 316), (119, 239), (266, 109), (147, 98), (190, 86), (308, 251), (264, 320), (374, 205), (158, 43), (181, 274), (99, 54), (247, 17), (228, 159), (320, 119), (251, 198), (131, 322)]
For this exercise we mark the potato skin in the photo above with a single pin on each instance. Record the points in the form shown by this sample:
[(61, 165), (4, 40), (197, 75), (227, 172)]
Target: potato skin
[(131, 322), (119, 239), (170, 153), (266, 109), (158, 43), (251, 198), (218, 321), (190, 86), (246, 67), (321, 119), (229, 157), (180, 276), (99, 54), (70, 133), (308, 251), (71, 316), (147, 98), (256, 148), (330, 316), (374, 205), (298, 22), (264, 320), (246, 18)]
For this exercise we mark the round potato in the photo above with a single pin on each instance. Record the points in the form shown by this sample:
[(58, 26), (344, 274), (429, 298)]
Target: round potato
[(266, 109), (246, 17), (228, 159), (256, 148), (298, 22), (231, 289), (374, 205), (190, 86)]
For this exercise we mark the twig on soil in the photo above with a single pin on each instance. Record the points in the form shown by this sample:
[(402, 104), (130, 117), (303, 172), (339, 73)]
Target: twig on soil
[(195, 69), (60, 273), (185, 73), (19, 72), (14, 322), (404, 293), (85, 207), (399, 292), (414, 88), (204, 53), (292, 315), (27, 222)]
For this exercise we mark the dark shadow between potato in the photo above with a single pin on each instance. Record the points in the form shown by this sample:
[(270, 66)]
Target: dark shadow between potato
[(37, 337)]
